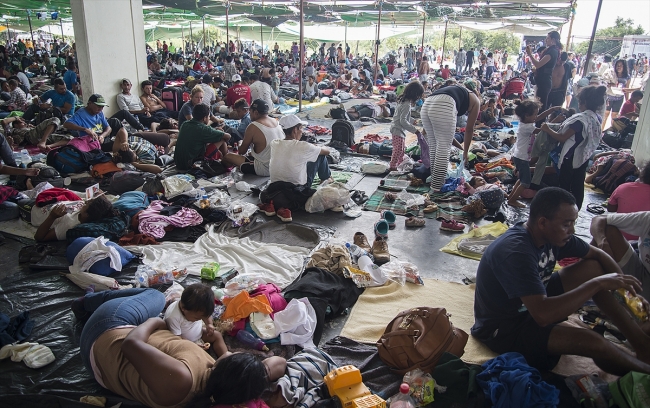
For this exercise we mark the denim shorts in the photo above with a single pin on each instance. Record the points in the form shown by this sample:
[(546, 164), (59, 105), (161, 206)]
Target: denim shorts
[(523, 167)]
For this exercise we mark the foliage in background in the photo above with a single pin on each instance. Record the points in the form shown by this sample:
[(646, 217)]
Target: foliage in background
[(621, 28)]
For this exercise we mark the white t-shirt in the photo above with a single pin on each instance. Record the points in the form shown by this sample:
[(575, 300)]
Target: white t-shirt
[(63, 224), (398, 73), (262, 90), (355, 73), (208, 94), (129, 102), (524, 135), (40, 214), (490, 62), (289, 160), (636, 223), (508, 75), (180, 326)]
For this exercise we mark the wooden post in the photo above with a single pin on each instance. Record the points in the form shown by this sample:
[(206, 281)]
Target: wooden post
[(301, 54), (460, 37), (424, 26), (568, 37), (377, 45), (204, 42), (591, 40), (262, 39), (444, 43), (8, 32), (29, 19), (191, 40), (345, 40), (227, 29), (61, 24)]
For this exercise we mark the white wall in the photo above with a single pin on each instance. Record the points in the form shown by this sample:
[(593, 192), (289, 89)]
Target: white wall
[(641, 142), (110, 45)]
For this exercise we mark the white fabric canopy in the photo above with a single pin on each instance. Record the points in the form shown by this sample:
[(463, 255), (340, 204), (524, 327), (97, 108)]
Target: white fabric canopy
[(337, 33)]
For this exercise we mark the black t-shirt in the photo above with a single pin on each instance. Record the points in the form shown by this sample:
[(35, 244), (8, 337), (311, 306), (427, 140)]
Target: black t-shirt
[(460, 95), (546, 70), (470, 56), (512, 267)]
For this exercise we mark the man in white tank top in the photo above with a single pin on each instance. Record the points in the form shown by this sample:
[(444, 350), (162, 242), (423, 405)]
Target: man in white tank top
[(258, 137)]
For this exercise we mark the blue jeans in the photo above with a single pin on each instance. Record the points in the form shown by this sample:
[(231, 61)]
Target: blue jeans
[(6, 152), (114, 308), (8, 211), (320, 167)]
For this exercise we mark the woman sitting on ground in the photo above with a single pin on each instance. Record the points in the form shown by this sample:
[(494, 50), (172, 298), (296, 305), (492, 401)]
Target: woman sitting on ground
[(129, 350), (59, 221)]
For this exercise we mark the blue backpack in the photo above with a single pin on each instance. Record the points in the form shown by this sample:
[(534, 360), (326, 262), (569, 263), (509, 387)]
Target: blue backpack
[(132, 202), (68, 160)]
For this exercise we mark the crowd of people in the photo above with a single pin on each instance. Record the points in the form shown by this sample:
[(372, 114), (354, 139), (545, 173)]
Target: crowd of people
[(232, 94)]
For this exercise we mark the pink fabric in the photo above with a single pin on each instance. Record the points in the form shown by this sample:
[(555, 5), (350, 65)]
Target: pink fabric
[(398, 151), (273, 294), (153, 224), (258, 403), (85, 143), (629, 198)]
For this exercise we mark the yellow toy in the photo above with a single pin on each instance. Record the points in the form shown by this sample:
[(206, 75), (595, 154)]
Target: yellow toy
[(345, 385)]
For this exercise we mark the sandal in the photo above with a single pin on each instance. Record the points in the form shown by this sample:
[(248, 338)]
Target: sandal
[(416, 182), (431, 208), (415, 222), (595, 209), (381, 229), (390, 197), (390, 218)]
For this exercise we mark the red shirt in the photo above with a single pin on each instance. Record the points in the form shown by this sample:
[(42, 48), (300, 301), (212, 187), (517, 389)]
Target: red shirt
[(445, 73), (628, 107), (238, 91)]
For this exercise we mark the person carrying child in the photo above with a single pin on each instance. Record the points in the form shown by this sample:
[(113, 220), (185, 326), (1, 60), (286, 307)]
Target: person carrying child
[(527, 112), (185, 318), (402, 120)]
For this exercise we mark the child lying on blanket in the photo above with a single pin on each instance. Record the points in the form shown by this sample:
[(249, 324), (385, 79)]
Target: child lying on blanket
[(490, 193), (185, 318)]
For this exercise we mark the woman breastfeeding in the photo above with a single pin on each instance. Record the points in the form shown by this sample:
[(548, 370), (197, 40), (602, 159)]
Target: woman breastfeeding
[(439, 114), (129, 350)]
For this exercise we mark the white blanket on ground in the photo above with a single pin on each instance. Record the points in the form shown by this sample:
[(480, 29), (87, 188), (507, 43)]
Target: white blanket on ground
[(274, 263)]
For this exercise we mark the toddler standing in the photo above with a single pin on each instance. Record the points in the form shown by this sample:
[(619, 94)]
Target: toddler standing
[(402, 120)]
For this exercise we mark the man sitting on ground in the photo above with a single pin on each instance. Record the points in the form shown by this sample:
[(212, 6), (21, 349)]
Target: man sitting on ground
[(262, 90), (607, 231), (128, 102), (258, 136), (237, 91), (90, 120), (294, 165), (520, 304), (59, 97), (240, 110), (194, 135), (154, 103)]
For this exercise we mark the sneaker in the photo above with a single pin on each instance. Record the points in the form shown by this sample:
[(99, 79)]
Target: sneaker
[(284, 214), (381, 229), (361, 241), (79, 310), (433, 207), (338, 208), (390, 218), (380, 251), (267, 208), (452, 225), (414, 222)]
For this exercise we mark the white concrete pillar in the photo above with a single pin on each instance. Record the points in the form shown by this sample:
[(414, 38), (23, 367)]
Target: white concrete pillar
[(109, 37), (641, 142)]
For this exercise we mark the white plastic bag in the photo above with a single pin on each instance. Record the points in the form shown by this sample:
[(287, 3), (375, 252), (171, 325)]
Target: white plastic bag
[(243, 186), (240, 283), (406, 165), (394, 271), (240, 212), (410, 199), (328, 196), (459, 170)]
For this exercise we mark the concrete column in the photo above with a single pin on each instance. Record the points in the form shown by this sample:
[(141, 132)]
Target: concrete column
[(641, 142), (110, 45)]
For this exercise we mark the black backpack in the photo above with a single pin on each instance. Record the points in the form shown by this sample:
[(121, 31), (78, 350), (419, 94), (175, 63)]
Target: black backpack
[(343, 131), (339, 113), (46, 173)]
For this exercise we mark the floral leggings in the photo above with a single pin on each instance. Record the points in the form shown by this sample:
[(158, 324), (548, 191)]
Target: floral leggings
[(398, 151)]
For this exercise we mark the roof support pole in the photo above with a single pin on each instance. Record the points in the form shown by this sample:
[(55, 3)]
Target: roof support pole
[(61, 24), (262, 39), (302, 54), (191, 39), (460, 37), (227, 30), (204, 42), (345, 39), (444, 43), (8, 32), (591, 40), (568, 37), (376, 62), (183, 45), (29, 19), (424, 26)]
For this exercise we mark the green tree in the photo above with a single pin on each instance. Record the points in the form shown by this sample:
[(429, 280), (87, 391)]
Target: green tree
[(621, 28)]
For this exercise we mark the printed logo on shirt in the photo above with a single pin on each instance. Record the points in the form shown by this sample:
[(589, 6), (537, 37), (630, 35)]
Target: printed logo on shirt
[(546, 265)]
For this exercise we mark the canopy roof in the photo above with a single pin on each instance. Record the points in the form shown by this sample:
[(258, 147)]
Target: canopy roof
[(277, 17)]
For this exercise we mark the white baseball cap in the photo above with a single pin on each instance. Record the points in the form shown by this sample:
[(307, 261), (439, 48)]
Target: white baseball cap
[(236, 78), (289, 121)]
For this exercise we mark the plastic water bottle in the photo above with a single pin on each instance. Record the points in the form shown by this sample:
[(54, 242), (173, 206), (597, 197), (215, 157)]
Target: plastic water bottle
[(18, 158), (355, 251), (25, 157), (402, 399), (251, 341)]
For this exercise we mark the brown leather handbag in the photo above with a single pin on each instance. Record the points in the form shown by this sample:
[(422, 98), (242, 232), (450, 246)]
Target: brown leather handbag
[(417, 338)]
